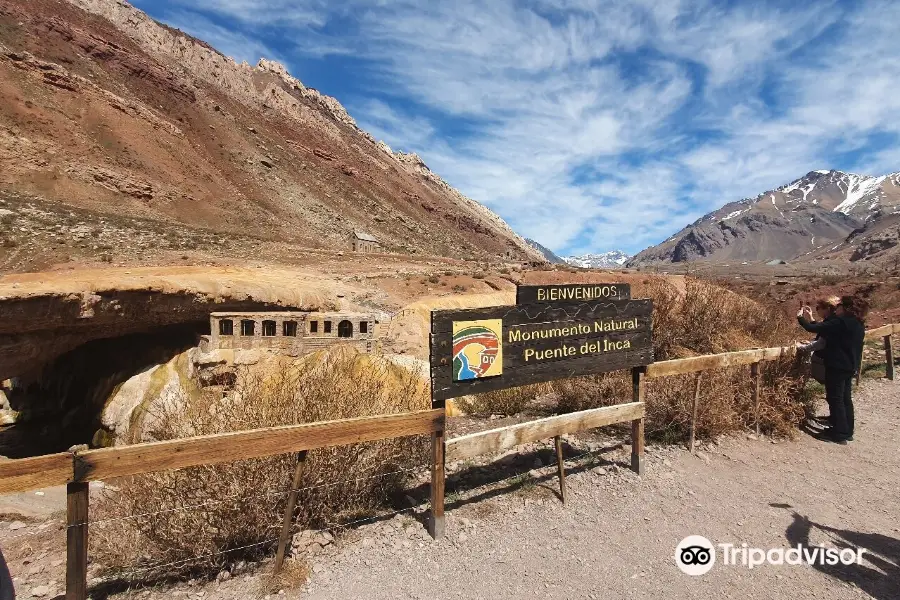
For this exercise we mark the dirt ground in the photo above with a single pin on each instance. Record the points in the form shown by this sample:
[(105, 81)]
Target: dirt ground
[(615, 537)]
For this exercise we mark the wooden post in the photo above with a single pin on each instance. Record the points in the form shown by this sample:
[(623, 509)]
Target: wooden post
[(76, 540), (637, 425), (562, 468), (889, 357), (754, 375), (694, 411), (637, 446), (289, 511), (437, 485)]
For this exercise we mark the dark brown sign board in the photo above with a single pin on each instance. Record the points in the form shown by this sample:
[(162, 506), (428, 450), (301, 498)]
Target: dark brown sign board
[(485, 349), (572, 293)]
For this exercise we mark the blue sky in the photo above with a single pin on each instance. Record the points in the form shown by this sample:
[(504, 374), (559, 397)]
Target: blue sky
[(592, 125)]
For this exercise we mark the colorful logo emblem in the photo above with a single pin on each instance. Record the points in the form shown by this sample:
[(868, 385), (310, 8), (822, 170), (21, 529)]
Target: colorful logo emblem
[(477, 349)]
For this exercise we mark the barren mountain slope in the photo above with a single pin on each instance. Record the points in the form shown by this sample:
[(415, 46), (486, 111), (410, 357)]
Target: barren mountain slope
[(809, 218), (105, 109)]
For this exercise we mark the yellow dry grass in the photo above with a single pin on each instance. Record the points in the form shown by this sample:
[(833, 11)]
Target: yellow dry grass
[(286, 287), (212, 512)]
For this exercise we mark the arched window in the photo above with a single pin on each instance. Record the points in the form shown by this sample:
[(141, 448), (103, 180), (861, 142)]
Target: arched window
[(345, 329)]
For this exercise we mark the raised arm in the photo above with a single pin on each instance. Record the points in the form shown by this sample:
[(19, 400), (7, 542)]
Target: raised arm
[(824, 328)]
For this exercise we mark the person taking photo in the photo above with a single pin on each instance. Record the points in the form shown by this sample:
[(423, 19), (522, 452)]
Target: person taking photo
[(843, 333), (824, 307)]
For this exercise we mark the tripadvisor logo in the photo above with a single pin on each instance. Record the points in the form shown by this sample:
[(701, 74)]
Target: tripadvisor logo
[(696, 555)]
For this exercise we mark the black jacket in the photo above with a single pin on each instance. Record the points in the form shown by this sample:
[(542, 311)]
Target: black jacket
[(844, 341), (7, 591)]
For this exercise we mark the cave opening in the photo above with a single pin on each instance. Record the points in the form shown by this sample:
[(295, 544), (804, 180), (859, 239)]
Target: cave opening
[(60, 404)]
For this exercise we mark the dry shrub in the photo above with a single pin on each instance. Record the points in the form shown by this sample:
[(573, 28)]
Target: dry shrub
[(725, 403), (704, 319), (708, 319), (594, 391), (294, 573), (509, 401), (230, 506)]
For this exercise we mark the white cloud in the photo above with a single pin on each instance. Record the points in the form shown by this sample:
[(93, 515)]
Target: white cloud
[(271, 12), (586, 123)]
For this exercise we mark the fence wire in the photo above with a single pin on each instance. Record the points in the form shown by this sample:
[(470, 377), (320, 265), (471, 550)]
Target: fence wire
[(329, 527), (36, 533), (270, 493), (130, 575)]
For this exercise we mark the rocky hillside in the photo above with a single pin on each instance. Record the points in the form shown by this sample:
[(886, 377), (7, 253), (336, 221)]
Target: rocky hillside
[(106, 110), (607, 260), (546, 252), (821, 214)]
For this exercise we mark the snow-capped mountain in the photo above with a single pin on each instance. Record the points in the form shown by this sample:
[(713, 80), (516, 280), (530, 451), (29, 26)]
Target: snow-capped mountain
[(607, 260), (814, 213)]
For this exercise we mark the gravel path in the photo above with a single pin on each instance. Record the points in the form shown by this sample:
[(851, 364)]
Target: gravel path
[(616, 536)]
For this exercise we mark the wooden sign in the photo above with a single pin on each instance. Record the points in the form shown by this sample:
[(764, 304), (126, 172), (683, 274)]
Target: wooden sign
[(484, 349), (572, 293)]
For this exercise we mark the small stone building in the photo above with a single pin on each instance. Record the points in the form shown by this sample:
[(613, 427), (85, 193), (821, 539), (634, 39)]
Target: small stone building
[(290, 332), (363, 242)]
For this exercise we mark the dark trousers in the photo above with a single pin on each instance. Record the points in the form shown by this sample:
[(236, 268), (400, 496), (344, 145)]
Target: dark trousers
[(838, 386)]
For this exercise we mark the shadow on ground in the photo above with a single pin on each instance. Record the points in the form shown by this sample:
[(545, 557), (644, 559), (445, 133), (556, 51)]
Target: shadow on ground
[(512, 473), (878, 575)]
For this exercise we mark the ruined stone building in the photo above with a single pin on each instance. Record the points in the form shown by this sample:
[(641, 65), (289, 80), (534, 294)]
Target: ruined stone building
[(363, 242), (290, 332)]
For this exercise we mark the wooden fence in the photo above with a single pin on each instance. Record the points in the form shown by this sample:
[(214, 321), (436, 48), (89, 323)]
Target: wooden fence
[(77, 469)]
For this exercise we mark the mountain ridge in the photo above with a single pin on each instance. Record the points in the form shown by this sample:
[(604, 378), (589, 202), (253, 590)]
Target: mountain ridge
[(806, 218), (111, 111), (548, 254)]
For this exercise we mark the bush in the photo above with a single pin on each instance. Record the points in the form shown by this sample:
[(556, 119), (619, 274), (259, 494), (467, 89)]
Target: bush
[(704, 319), (510, 401), (725, 403), (459, 288), (241, 503), (708, 319), (434, 279), (583, 393)]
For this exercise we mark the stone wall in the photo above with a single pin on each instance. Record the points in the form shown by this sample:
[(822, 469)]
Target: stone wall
[(314, 331)]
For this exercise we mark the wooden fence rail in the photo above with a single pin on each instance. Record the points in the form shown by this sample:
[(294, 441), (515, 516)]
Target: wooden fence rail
[(256, 443), (76, 469), (503, 438)]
